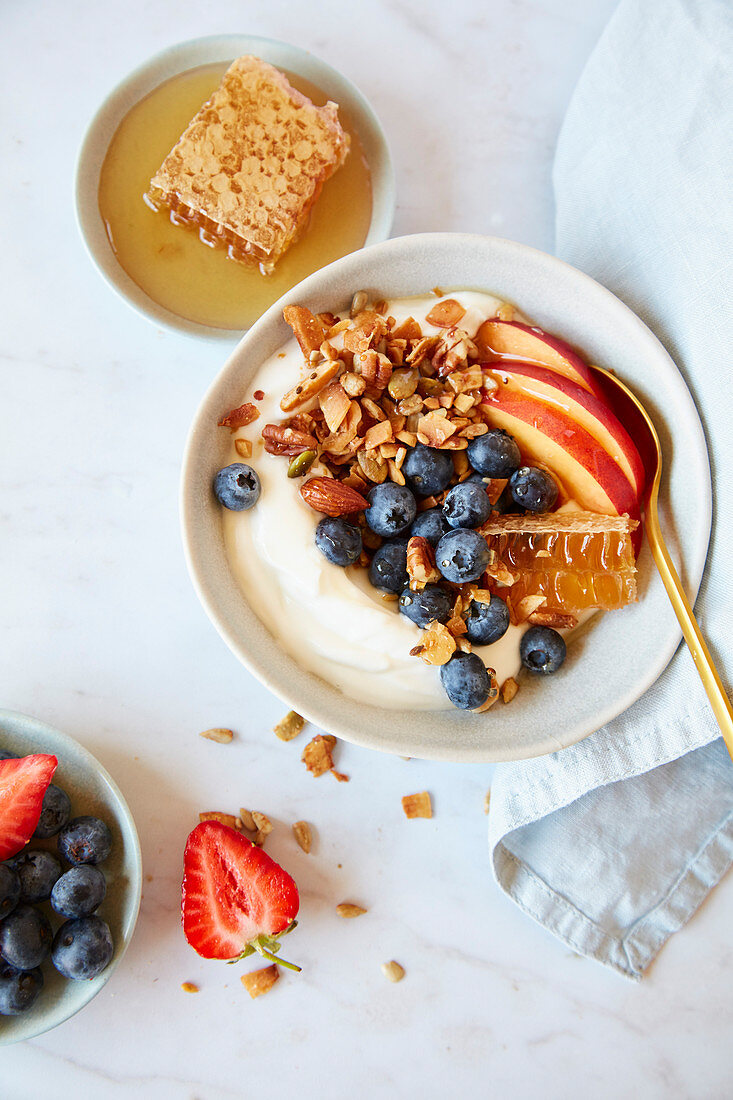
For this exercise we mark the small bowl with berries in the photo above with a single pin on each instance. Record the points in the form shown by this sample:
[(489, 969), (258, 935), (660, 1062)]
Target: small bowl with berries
[(70, 877), (413, 511)]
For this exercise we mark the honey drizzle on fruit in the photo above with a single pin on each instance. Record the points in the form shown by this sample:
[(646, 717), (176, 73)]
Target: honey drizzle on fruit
[(169, 262)]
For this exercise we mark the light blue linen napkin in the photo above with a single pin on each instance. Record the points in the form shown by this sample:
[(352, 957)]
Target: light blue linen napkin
[(612, 844)]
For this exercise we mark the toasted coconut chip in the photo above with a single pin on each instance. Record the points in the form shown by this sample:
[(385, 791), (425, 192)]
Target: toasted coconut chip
[(417, 805), (289, 726), (258, 982), (309, 331), (317, 756)]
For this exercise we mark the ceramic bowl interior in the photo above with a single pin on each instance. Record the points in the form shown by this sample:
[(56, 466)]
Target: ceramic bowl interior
[(92, 791), (179, 59), (613, 661)]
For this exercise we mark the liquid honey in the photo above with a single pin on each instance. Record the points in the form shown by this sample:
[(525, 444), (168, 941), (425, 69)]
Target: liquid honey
[(169, 262)]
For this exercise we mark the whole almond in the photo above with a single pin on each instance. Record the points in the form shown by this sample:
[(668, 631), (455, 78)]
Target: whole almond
[(325, 494)]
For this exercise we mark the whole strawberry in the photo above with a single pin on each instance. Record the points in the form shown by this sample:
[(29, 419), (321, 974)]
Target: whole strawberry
[(235, 899)]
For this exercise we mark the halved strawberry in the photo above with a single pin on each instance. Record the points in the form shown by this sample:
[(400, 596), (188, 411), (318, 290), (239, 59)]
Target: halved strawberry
[(23, 784), (236, 900)]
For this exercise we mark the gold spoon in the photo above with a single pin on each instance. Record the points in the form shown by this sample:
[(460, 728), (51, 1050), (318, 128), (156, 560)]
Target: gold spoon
[(681, 605)]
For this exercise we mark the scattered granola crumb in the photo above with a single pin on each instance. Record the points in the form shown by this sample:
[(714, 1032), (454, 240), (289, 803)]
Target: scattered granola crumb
[(248, 821), (258, 395), (289, 726), (303, 834), (509, 689), (417, 805), (258, 982), (318, 759), (243, 447), (189, 987), (393, 971), (221, 736), (224, 819), (487, 801), (348, 910)]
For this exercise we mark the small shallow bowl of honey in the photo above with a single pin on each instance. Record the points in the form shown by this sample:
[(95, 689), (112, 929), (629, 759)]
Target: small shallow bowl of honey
[(162, 268)]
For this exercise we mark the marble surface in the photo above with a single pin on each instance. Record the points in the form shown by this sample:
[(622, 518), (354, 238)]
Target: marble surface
[(102, 635)]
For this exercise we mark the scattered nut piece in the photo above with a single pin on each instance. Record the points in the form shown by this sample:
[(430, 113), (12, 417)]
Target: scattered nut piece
[(221, 736), (392, 971), (317, 754), (348, 910), (264, 828), (303, 835), (417, 805), (289, 726), (189, 987), (240, 417), (493, 693), (248, 821), (243, 447), (258, 982), (438, 645), (509, 689), (223, 819)]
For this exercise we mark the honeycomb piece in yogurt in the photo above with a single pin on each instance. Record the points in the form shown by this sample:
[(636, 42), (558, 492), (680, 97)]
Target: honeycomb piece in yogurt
[(574, 560)]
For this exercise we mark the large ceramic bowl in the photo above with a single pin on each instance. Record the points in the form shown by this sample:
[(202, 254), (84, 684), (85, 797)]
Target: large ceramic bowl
[(179, 59), (621, 654), (92, 791)]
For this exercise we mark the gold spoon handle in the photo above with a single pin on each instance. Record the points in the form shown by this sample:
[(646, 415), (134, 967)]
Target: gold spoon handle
[(707, 671)]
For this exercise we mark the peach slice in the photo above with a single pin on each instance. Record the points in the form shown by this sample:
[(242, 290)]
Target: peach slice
[(551, 438), (497, 339), (583, 407)]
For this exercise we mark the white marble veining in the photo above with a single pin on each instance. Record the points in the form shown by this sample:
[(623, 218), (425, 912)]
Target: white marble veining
[(103, 637)]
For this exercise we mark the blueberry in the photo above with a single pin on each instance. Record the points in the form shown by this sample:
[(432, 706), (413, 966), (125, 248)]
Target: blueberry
[(533, 489), (25, 938), (79, 891), (431, 525), (467, 505), (487, 622), (37, 872), (82, 948), (237, 487), (338, 540), (428, 471), (494, 454), (432, 604), (542, 650), (462, 555), (466, 681), (18, 989), (389, 566), (55, 812), (85, 840), (391, 510), (9, 889)]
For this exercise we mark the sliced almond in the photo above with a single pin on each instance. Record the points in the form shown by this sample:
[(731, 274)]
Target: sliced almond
[(303, 835), (509, 689), (348, 910), (221, 736), (223, 819), (392, 971)]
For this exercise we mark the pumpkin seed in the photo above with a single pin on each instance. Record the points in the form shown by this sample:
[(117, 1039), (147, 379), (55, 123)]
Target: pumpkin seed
[(301, 464)]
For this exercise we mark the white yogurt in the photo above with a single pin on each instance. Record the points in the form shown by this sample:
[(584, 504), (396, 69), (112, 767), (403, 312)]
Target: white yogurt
[(331, 620)]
